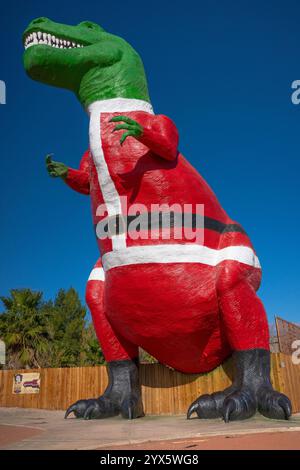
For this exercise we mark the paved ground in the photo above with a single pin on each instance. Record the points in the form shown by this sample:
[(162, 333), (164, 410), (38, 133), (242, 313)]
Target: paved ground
[(41, 429), (257, 441)]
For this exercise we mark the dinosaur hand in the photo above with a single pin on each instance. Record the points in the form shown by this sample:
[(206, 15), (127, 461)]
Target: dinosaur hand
[(131, 127), (56, 169)]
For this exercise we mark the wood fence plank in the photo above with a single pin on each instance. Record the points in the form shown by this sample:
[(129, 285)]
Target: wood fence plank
[(164, 391)]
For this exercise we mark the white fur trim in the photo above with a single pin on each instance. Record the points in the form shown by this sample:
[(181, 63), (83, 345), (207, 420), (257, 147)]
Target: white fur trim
[(97, 274), (108, 189), (116, 105), (179, 254), (110, 194)]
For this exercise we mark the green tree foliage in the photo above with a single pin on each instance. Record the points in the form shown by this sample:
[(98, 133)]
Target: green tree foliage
[(66, 325), (53, 333), (91, 353), (146, 357), (47, 334), (23, 328)]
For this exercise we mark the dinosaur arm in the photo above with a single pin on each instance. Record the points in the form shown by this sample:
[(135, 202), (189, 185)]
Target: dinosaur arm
[(161, 136), (158, 133), (79, 179)]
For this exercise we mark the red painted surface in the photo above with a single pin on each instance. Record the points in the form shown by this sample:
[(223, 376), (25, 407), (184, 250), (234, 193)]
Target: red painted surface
[(188, 315), (114, 347)]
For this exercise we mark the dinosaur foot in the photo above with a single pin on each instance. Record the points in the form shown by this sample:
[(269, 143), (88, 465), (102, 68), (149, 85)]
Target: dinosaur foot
[(241, 404), (121, 397), (103, 407), (251, 391)]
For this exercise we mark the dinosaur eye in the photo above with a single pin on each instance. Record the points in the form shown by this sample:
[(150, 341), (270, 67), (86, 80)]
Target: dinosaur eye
[(89, 24), (92, 26)]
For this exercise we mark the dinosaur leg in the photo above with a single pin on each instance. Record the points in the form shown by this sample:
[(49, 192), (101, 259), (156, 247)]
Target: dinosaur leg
[(123, 393), (247, 330)]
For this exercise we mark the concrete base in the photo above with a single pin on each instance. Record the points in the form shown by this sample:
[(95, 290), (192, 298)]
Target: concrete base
[(23, 429)]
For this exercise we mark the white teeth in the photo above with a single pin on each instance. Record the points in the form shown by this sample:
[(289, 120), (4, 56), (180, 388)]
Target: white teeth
[(49, 40)]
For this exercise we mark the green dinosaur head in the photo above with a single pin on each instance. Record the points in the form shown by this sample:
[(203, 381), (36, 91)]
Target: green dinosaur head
[(85, 59)]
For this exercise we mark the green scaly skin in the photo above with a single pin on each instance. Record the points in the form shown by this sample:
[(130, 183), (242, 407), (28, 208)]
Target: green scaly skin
[(105, 67)]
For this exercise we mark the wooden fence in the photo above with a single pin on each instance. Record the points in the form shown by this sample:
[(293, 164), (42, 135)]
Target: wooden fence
[(165, 392)]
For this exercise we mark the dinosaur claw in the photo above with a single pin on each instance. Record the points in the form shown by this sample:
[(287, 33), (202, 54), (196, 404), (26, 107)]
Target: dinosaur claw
[(286, 406), (229, 407), (274, 405), (192, 409), (70, 410), (130, 413), (88, 412)]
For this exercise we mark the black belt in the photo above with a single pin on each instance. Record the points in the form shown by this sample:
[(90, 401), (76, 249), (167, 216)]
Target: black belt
[(119, 224)]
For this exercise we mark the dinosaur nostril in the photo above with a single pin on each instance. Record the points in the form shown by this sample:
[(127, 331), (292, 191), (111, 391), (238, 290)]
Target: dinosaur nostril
[(40, 20)]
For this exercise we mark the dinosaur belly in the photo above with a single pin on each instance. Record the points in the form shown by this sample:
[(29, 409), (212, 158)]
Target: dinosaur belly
[(170, 310)]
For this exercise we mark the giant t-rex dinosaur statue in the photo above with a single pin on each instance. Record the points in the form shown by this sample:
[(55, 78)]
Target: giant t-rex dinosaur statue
[(190, 303)]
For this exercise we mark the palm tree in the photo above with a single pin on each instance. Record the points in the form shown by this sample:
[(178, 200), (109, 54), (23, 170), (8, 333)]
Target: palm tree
[(23, 327)]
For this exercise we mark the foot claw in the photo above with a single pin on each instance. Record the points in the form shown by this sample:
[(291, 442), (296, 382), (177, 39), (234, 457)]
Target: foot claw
[(89, 411), (208, 406), (70, 410), (239, 405), (228, 409), (192, 409), (286, 406), (273, 404), (131, 409), (79, 408)]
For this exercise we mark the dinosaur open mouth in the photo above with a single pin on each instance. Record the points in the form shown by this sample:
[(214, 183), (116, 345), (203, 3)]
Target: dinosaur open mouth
[(46, 39)]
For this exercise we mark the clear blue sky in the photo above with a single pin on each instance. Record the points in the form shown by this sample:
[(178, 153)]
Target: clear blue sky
[(222, 70)]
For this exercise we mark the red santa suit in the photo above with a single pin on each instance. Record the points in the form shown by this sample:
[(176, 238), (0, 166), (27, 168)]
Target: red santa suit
[(188, 302)]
